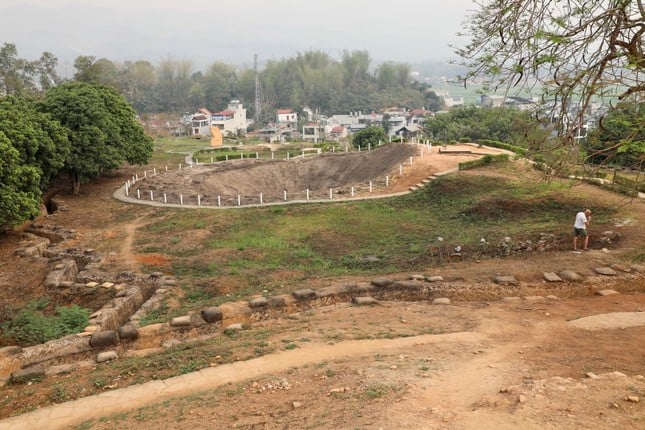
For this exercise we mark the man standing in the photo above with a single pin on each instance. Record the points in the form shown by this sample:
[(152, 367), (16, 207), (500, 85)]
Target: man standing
[(580, 228)]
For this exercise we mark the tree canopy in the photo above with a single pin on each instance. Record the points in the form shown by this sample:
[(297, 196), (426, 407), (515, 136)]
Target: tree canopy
[(33, 149), (372, 135), (570, 51), (18, 76), (101, 127)]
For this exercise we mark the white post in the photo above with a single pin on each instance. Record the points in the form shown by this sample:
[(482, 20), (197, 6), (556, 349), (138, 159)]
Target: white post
[(260, 198), (219, 201), (257, 155), (136, 177), (352, 191), (333, 149), (191, 164), (359, 148), (138, 193), (400, 169), (154, 171), (331, 194), (179, 166), (285, 195), (369, 146), (165, 198), (181, 199), (127, 191), (390, 138), (370, 186), (145, 173), (387, 181), (226, 157), (134, 180), (166, 168), (241, 156), (303, 153), (287, 155), (307, 193), (152, 198), (239, 200), (199, 200), (197, 161)]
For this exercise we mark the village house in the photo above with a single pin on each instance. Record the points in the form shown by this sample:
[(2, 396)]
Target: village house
[(232, 121), (287, 119), (200, 123)]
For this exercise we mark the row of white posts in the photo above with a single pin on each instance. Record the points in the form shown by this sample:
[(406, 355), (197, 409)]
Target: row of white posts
[(135, 179)]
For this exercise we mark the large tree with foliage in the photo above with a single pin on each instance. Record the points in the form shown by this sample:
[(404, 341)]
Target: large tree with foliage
[(371, 136), (19, 76), (33, 149), (569, 50), (101, 127)]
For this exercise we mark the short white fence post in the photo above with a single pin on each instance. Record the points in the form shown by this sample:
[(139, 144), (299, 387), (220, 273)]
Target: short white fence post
[(410, 161), (219, 201), (352, 191), (370, 186), (331, 194), (260, 198), (239, 200), (199, 200), (307, 193), (181, 199), (400, 169), (387, 181), (285, 195), (138, 193), (145, 173), (152, 198), (165, 198)]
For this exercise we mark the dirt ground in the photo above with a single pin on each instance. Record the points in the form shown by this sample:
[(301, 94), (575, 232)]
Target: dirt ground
[(479, 363)]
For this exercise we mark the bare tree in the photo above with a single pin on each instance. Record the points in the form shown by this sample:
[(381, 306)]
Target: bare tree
[(572, 51)]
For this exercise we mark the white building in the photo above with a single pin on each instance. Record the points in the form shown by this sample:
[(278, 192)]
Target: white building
[(231, 121), (287, 118)]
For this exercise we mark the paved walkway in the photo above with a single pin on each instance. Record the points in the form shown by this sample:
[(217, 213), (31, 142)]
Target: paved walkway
[(126, 399)]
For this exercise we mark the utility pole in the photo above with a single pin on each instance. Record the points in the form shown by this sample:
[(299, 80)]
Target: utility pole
[(258, 91)]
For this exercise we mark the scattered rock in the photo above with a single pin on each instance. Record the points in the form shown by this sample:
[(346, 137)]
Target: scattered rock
[(505, 280), (102, 357), (233, 328), (592, 375), (381, 282), (277, 302), (511, 299), (571, 276), (606, 292), (638, 267), (607, 271), (522, 399), (169, 343), (296, 405), (633, 399), (435, 278), (441, 301), (28, 374), (552, 277), (416, 277)]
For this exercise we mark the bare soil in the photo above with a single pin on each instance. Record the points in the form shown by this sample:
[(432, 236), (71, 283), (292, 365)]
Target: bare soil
[(479, 363)]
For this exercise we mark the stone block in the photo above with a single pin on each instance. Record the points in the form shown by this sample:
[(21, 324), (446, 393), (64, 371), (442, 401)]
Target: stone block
[(277, 302), (606, 292), (258, 302), (104, 356), (363, 301), (183, 321), (552, 277), (607, 271), (441, 301), (28, 374), (305, 294), (434, 278), (212, 314), (128, 332), (105, 338), (381, 282)]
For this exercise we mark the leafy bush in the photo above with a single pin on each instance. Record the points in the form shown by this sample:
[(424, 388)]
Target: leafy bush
[(30, 326), (485, 160), (496, 144)]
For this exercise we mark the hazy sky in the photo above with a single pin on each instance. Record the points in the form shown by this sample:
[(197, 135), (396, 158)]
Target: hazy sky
[(232, 30)]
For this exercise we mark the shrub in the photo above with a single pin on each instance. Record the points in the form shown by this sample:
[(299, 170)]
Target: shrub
[(30, 326), (485, 160)]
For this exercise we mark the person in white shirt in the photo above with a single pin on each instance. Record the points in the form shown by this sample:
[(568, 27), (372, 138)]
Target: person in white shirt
[(580, 228)]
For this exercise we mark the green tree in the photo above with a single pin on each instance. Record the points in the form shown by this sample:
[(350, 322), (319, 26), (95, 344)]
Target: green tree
[(33, 149), (619, 138), (371, 136), (101, 127), (570, 50), (18, 76)]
